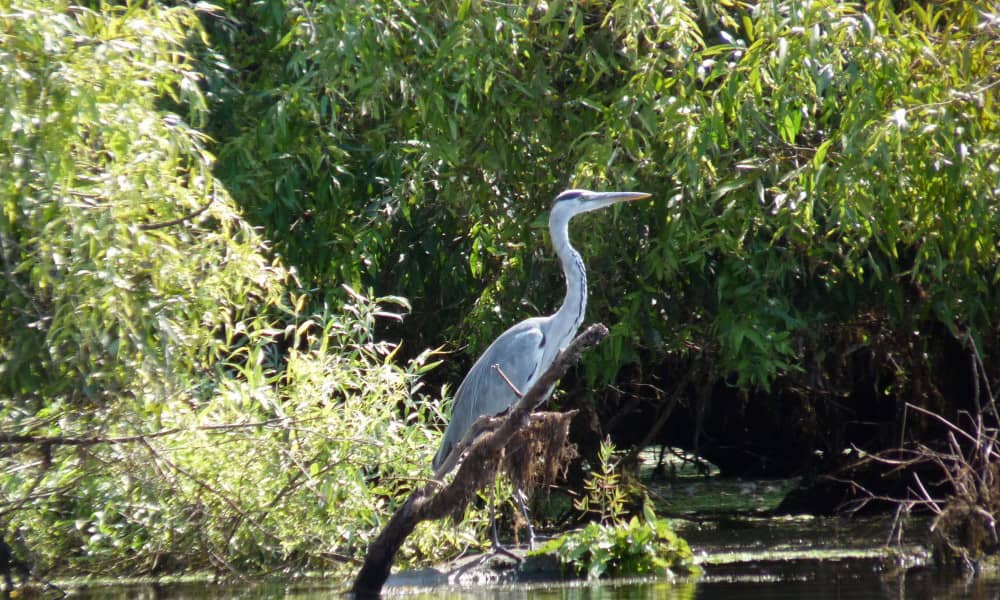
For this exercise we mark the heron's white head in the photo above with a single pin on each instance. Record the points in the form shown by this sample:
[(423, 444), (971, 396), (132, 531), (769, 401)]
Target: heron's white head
[(573, 202)]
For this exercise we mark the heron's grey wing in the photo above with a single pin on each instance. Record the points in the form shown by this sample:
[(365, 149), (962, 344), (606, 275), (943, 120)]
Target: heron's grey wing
[(517, 352)]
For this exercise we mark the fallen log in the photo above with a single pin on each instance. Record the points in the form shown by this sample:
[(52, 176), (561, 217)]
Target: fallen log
[(436, 499)]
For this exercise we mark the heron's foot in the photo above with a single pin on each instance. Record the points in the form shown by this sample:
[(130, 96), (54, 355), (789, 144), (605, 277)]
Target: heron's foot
[(498, 550)]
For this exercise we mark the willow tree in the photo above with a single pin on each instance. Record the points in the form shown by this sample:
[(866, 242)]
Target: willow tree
[(825, 175), (166, 402)]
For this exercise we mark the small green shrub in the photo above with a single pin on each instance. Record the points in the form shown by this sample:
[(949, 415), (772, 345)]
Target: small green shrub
[(639, 547), (604, 495), (612, 545)]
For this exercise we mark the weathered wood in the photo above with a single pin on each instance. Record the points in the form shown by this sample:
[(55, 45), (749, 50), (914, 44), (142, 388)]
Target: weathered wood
[(437, 500), (479, 426)]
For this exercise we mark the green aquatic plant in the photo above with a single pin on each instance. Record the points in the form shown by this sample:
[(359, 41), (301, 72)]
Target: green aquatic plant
[(647, 546), (614, 544), (604, 495)]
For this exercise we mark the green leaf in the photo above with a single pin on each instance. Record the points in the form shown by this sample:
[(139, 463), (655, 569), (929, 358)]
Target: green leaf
[(820, 154)]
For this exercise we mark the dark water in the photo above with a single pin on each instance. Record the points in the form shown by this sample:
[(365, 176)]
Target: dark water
[(815, 579), (843, 581), (811, 558)]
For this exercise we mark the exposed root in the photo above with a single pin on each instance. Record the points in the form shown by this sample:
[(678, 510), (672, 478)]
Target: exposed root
[(540, 453)]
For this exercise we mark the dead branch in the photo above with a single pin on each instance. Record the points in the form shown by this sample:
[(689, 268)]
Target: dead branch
[(481, 425), (965, 501), (507, 380), (951, 426), (437, 500)]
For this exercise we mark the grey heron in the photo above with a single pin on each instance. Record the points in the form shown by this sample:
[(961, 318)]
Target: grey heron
[(527, 349)]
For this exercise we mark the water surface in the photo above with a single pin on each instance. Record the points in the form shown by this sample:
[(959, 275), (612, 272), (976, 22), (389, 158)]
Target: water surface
[(760, 558)]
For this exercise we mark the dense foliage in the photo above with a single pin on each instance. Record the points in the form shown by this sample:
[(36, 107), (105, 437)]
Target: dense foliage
[(191, 193), (125, 261), (812, 163), (168, 402)]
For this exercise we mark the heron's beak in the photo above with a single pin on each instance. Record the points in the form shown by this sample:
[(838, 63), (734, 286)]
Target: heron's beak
[(596, 200)]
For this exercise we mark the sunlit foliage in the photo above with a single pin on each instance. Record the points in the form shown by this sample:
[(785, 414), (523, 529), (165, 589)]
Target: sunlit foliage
[(167, 402), (624, 548), (125, 262)]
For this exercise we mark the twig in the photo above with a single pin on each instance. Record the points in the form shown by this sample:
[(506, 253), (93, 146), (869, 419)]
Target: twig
[(178, 220), (927, 497), (39, 440), (506, 380), (341, 558), (942, 420), (980, 375)]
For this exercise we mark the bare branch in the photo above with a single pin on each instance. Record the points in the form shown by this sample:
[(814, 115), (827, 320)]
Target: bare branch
[(13, 439), (942, 420), (506, 380), (927, 497)]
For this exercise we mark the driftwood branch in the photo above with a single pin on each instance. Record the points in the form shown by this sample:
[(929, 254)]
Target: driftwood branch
[(437, 500), (480, 426)]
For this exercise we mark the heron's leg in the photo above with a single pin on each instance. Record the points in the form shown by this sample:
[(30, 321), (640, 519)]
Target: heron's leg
[(519, 496), (497, 547), (493, 516)]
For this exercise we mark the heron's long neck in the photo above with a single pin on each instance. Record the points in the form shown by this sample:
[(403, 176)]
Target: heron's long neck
[(570, 314)]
